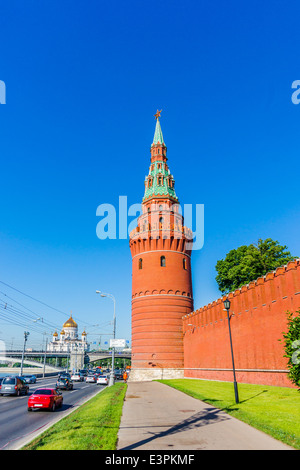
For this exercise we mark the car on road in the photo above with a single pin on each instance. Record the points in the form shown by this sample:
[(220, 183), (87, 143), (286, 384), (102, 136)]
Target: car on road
[(77, 377), (63, 383), (64, 374), (13, 386), (103, 380), (118, 374), (48, 398), (91, 379), (29, 379)]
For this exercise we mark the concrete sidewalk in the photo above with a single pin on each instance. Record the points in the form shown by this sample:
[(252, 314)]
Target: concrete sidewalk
[(158, 417)]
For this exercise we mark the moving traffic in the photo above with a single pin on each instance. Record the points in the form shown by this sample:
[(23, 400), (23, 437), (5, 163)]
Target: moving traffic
[(29, 405)]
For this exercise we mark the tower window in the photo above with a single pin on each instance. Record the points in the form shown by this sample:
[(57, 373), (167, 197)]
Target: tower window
[(163, 261), (161, 220), (184, 263), (141, 263)]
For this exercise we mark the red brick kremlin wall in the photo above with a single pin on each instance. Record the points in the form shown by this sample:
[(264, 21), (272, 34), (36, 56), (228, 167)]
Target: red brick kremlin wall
[(258, 318)]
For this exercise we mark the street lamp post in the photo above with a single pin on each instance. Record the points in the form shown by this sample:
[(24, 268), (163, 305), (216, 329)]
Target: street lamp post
[(45, 354), (227, 307), (112, 374), (26, 334)]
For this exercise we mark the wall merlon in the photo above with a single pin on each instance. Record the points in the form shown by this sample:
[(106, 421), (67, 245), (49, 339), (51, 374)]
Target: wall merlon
[(280, 271), (269, 276), (292, 264)]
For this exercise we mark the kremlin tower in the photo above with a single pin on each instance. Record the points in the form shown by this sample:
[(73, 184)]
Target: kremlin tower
[(161, 274)]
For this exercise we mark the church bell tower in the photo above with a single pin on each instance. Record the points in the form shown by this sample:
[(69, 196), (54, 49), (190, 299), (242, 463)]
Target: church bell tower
[(161, 273)]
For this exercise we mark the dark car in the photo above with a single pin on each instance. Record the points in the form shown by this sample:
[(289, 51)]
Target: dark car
[(29, 379), (65, 375), (64, 383), (13, 386), (118, 375)]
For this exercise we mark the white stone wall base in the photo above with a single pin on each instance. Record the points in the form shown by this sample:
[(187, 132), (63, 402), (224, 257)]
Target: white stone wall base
[(143, 375)]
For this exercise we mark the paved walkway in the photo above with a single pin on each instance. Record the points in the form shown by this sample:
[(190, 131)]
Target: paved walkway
[(158, 417)]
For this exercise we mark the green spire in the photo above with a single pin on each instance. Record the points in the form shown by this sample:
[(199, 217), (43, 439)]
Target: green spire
[(159, 181), (158, 136)]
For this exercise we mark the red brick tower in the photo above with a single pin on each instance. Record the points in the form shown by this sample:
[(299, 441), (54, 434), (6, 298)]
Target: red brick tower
[(161, 274)]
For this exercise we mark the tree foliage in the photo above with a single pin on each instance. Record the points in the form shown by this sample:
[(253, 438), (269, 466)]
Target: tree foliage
[(247, 263), (292, 347)]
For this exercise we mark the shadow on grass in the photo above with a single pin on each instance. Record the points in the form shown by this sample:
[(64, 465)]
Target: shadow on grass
[(228, 408), (254, 396)]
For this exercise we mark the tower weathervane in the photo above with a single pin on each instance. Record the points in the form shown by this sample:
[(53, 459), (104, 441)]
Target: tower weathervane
[(157, 114)]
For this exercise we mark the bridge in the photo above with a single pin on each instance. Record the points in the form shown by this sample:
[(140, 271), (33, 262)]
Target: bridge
[(48, 367), (98, 355), (77, 360)]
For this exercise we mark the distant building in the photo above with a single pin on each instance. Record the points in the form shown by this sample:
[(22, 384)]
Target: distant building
[(68, 341)]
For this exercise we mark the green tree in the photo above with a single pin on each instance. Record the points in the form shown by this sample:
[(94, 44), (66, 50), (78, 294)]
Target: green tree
[(292, 347), (247, 263)]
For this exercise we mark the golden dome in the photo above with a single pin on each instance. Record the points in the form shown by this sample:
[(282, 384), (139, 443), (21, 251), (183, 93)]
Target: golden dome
[(70, 323), (62, 332), (83, 333), (55, 334)]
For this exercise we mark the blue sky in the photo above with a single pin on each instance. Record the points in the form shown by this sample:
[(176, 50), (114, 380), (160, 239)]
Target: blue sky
[(83, 81)]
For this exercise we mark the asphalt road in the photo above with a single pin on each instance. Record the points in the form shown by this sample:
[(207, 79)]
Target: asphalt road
[(18, 425)]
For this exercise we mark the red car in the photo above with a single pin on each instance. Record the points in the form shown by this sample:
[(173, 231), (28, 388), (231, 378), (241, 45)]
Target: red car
[(48, 398)]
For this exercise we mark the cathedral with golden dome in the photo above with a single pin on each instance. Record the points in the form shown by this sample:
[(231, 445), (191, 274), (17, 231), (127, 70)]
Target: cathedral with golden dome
[(68, 340)]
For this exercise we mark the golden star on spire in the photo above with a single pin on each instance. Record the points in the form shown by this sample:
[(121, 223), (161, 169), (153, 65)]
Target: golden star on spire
[(157, 115)]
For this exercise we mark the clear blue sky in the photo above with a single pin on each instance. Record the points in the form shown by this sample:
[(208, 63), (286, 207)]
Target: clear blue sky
[(83, 81)]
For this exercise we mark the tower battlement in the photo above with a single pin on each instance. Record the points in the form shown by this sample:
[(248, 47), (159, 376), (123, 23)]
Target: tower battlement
[(160, 236)]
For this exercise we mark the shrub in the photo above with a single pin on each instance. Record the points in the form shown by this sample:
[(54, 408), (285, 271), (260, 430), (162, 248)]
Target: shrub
[(292, 347)]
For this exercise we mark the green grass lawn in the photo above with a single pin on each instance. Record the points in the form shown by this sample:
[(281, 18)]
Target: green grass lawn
[(274, 410), (93, 426)]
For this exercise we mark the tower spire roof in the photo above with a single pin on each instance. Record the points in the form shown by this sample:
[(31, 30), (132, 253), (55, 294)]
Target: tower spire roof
[(160, 181), (158, 136)]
